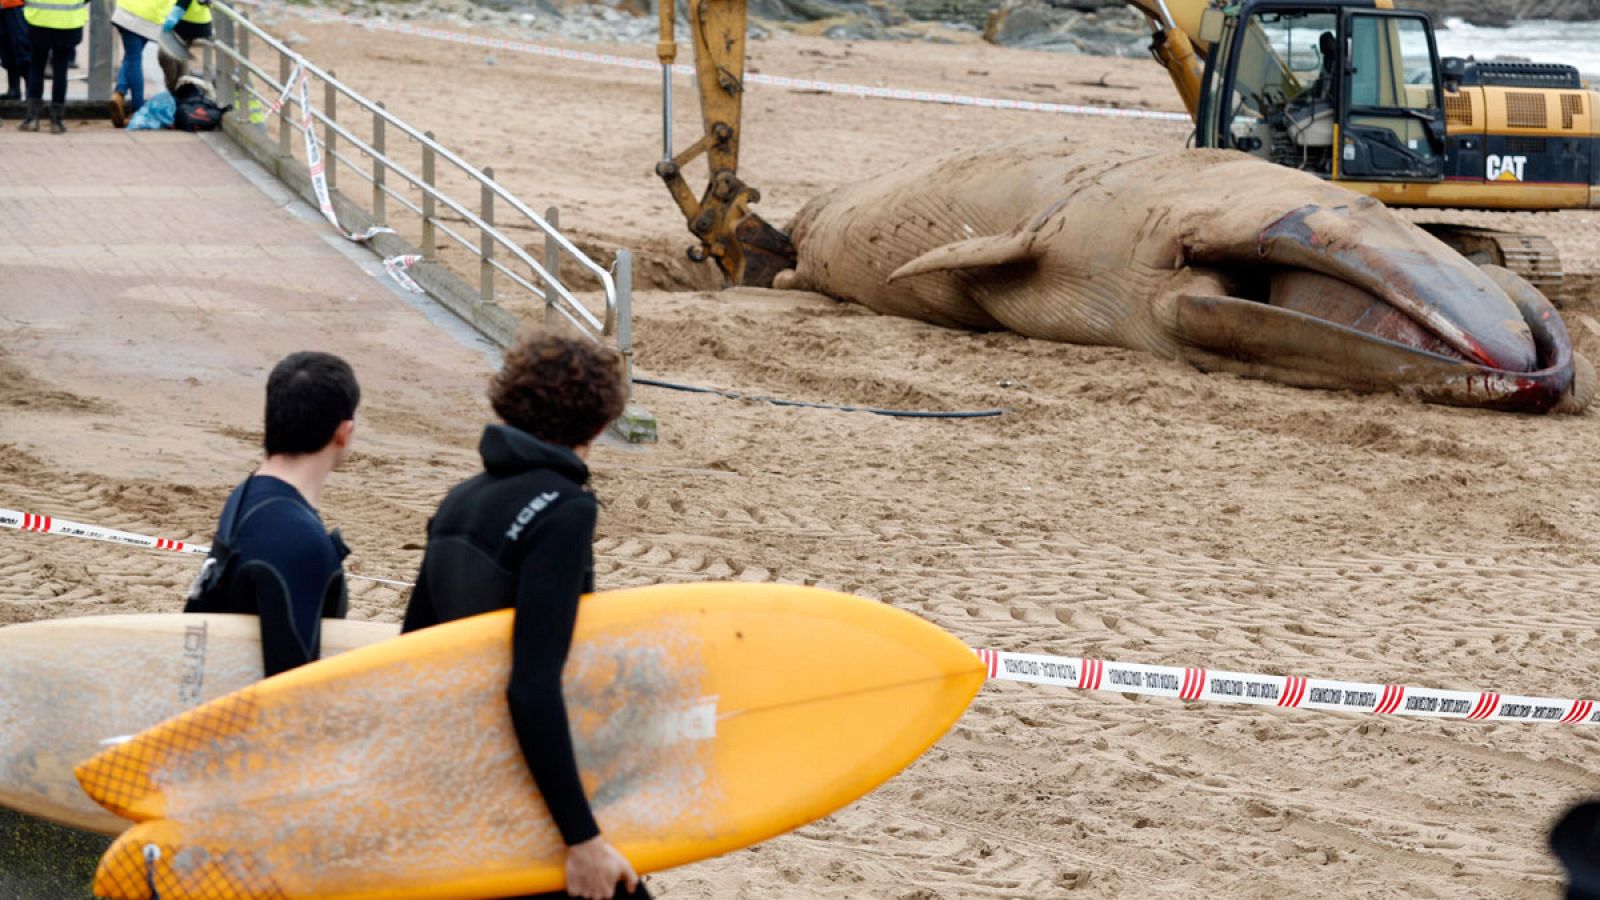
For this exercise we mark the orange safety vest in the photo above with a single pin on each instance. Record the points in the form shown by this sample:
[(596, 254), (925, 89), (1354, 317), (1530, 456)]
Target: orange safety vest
[(10, 4)]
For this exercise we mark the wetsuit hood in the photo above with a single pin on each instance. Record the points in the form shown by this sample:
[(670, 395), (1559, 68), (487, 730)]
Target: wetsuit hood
[(508, 451)]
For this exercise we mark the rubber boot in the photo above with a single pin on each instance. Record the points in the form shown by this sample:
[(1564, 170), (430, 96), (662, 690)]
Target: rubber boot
[(31, 121), (171, 70), (58, 114)]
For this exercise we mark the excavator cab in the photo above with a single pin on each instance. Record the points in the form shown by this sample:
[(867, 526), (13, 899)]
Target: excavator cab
[(1342, 91)]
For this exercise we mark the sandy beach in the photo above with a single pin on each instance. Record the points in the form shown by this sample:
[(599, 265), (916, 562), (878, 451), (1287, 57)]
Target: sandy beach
[(1124, 507)]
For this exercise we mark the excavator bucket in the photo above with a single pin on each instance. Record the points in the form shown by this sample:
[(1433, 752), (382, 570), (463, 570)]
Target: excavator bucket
[(765, 250)]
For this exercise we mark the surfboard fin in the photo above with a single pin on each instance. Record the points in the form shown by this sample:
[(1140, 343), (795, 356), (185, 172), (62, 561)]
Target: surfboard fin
[(975, 253)]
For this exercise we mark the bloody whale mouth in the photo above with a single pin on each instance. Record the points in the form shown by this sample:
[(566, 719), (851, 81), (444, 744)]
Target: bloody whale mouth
[(1345, 304)]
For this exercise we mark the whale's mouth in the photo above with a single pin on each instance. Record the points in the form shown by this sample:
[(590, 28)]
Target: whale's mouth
[(1332, 296), (1386, 278), (1311, 329), (1341, 303)]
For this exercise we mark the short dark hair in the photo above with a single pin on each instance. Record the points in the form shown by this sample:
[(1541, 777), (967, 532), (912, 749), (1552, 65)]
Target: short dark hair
[(308, 395), (559, 389)]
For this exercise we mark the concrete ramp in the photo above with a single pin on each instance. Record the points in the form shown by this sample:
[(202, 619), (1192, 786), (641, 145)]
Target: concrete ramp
[(158, 274)]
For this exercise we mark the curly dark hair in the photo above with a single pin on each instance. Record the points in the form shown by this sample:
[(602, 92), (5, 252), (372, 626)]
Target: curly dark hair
[(559, 389)]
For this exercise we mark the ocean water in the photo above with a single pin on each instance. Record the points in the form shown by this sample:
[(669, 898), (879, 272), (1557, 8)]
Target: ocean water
[(1571, 43)]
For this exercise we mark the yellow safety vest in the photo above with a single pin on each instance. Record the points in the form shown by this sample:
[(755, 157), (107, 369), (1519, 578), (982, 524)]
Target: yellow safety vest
[(64, 15), (198, 13), (153, 11)]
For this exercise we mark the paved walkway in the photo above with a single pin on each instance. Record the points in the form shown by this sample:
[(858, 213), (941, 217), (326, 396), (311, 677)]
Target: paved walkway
[(148, 281), (145, 269), (100, 214)]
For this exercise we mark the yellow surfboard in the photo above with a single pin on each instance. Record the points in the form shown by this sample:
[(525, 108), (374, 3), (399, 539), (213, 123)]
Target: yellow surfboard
[(69, 685), (705, 717)]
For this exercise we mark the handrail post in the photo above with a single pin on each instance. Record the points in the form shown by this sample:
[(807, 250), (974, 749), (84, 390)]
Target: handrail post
[(244, 72), (485, 242), (330, 108), (284, 68), (101, 52), (428, 241), (379, 169), (223, 78), (624, 327), (552, 264)]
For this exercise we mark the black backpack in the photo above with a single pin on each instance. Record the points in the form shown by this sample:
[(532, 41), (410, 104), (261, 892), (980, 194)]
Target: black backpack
[(209, 590), (195, 110)]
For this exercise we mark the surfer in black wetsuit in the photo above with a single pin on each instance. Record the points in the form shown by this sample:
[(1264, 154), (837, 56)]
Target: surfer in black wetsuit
[(521, 535), (1576, 842), (271, 557)]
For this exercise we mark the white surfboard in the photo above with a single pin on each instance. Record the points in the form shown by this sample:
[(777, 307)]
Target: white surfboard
[(70, 686)]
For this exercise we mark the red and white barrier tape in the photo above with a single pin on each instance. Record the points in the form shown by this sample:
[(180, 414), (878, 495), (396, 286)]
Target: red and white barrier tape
[(794, 84), (1287, 691), (288, 88), (1194, 684), (394, 265), (10, 518), (318, 168)]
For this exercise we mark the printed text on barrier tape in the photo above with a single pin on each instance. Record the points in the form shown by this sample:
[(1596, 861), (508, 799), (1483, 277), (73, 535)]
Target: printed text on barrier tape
[(318, 169), (10, 518), (1289, 691), (795, 84)]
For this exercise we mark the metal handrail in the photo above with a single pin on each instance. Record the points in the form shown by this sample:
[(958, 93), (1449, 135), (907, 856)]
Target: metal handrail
[(465, 212), (558, 299)]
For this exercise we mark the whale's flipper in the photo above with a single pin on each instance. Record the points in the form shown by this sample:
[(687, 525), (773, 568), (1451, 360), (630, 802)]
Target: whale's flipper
[(976, 253)]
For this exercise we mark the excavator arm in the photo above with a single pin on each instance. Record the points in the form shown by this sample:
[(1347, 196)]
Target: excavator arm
[(1175, 42), (743, 245)]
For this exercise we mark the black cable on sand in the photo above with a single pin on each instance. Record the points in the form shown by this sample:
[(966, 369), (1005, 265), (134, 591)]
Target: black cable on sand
[(898, 413)]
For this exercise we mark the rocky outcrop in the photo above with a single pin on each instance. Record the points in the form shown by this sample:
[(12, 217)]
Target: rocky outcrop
[(1066, 26), (1504, 12), (1094, 27)]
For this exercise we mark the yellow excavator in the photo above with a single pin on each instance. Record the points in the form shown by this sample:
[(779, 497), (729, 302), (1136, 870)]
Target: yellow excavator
[(1351, 90)]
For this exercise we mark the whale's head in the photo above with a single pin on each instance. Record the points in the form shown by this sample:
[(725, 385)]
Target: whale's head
[(1347, 294)]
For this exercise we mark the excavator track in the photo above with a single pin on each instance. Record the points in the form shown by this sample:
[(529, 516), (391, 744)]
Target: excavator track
[(1531, 256)]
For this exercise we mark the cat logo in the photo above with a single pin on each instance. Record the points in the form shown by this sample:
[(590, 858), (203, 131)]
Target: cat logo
[(1506, 168)]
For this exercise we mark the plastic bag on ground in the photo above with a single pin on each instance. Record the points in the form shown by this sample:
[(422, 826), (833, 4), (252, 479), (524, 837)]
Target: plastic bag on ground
[(155, 114)]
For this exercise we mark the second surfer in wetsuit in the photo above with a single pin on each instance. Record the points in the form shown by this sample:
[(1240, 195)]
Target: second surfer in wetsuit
[(271, 557), (521, 535)]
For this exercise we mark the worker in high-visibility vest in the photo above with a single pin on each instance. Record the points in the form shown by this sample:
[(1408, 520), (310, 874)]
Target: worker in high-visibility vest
[(13, 47), (193, 25), (140, 21), (152, 20), (55, 28)]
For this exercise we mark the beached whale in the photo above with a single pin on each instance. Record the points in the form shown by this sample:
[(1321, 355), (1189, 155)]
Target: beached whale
[(1209, 256)]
